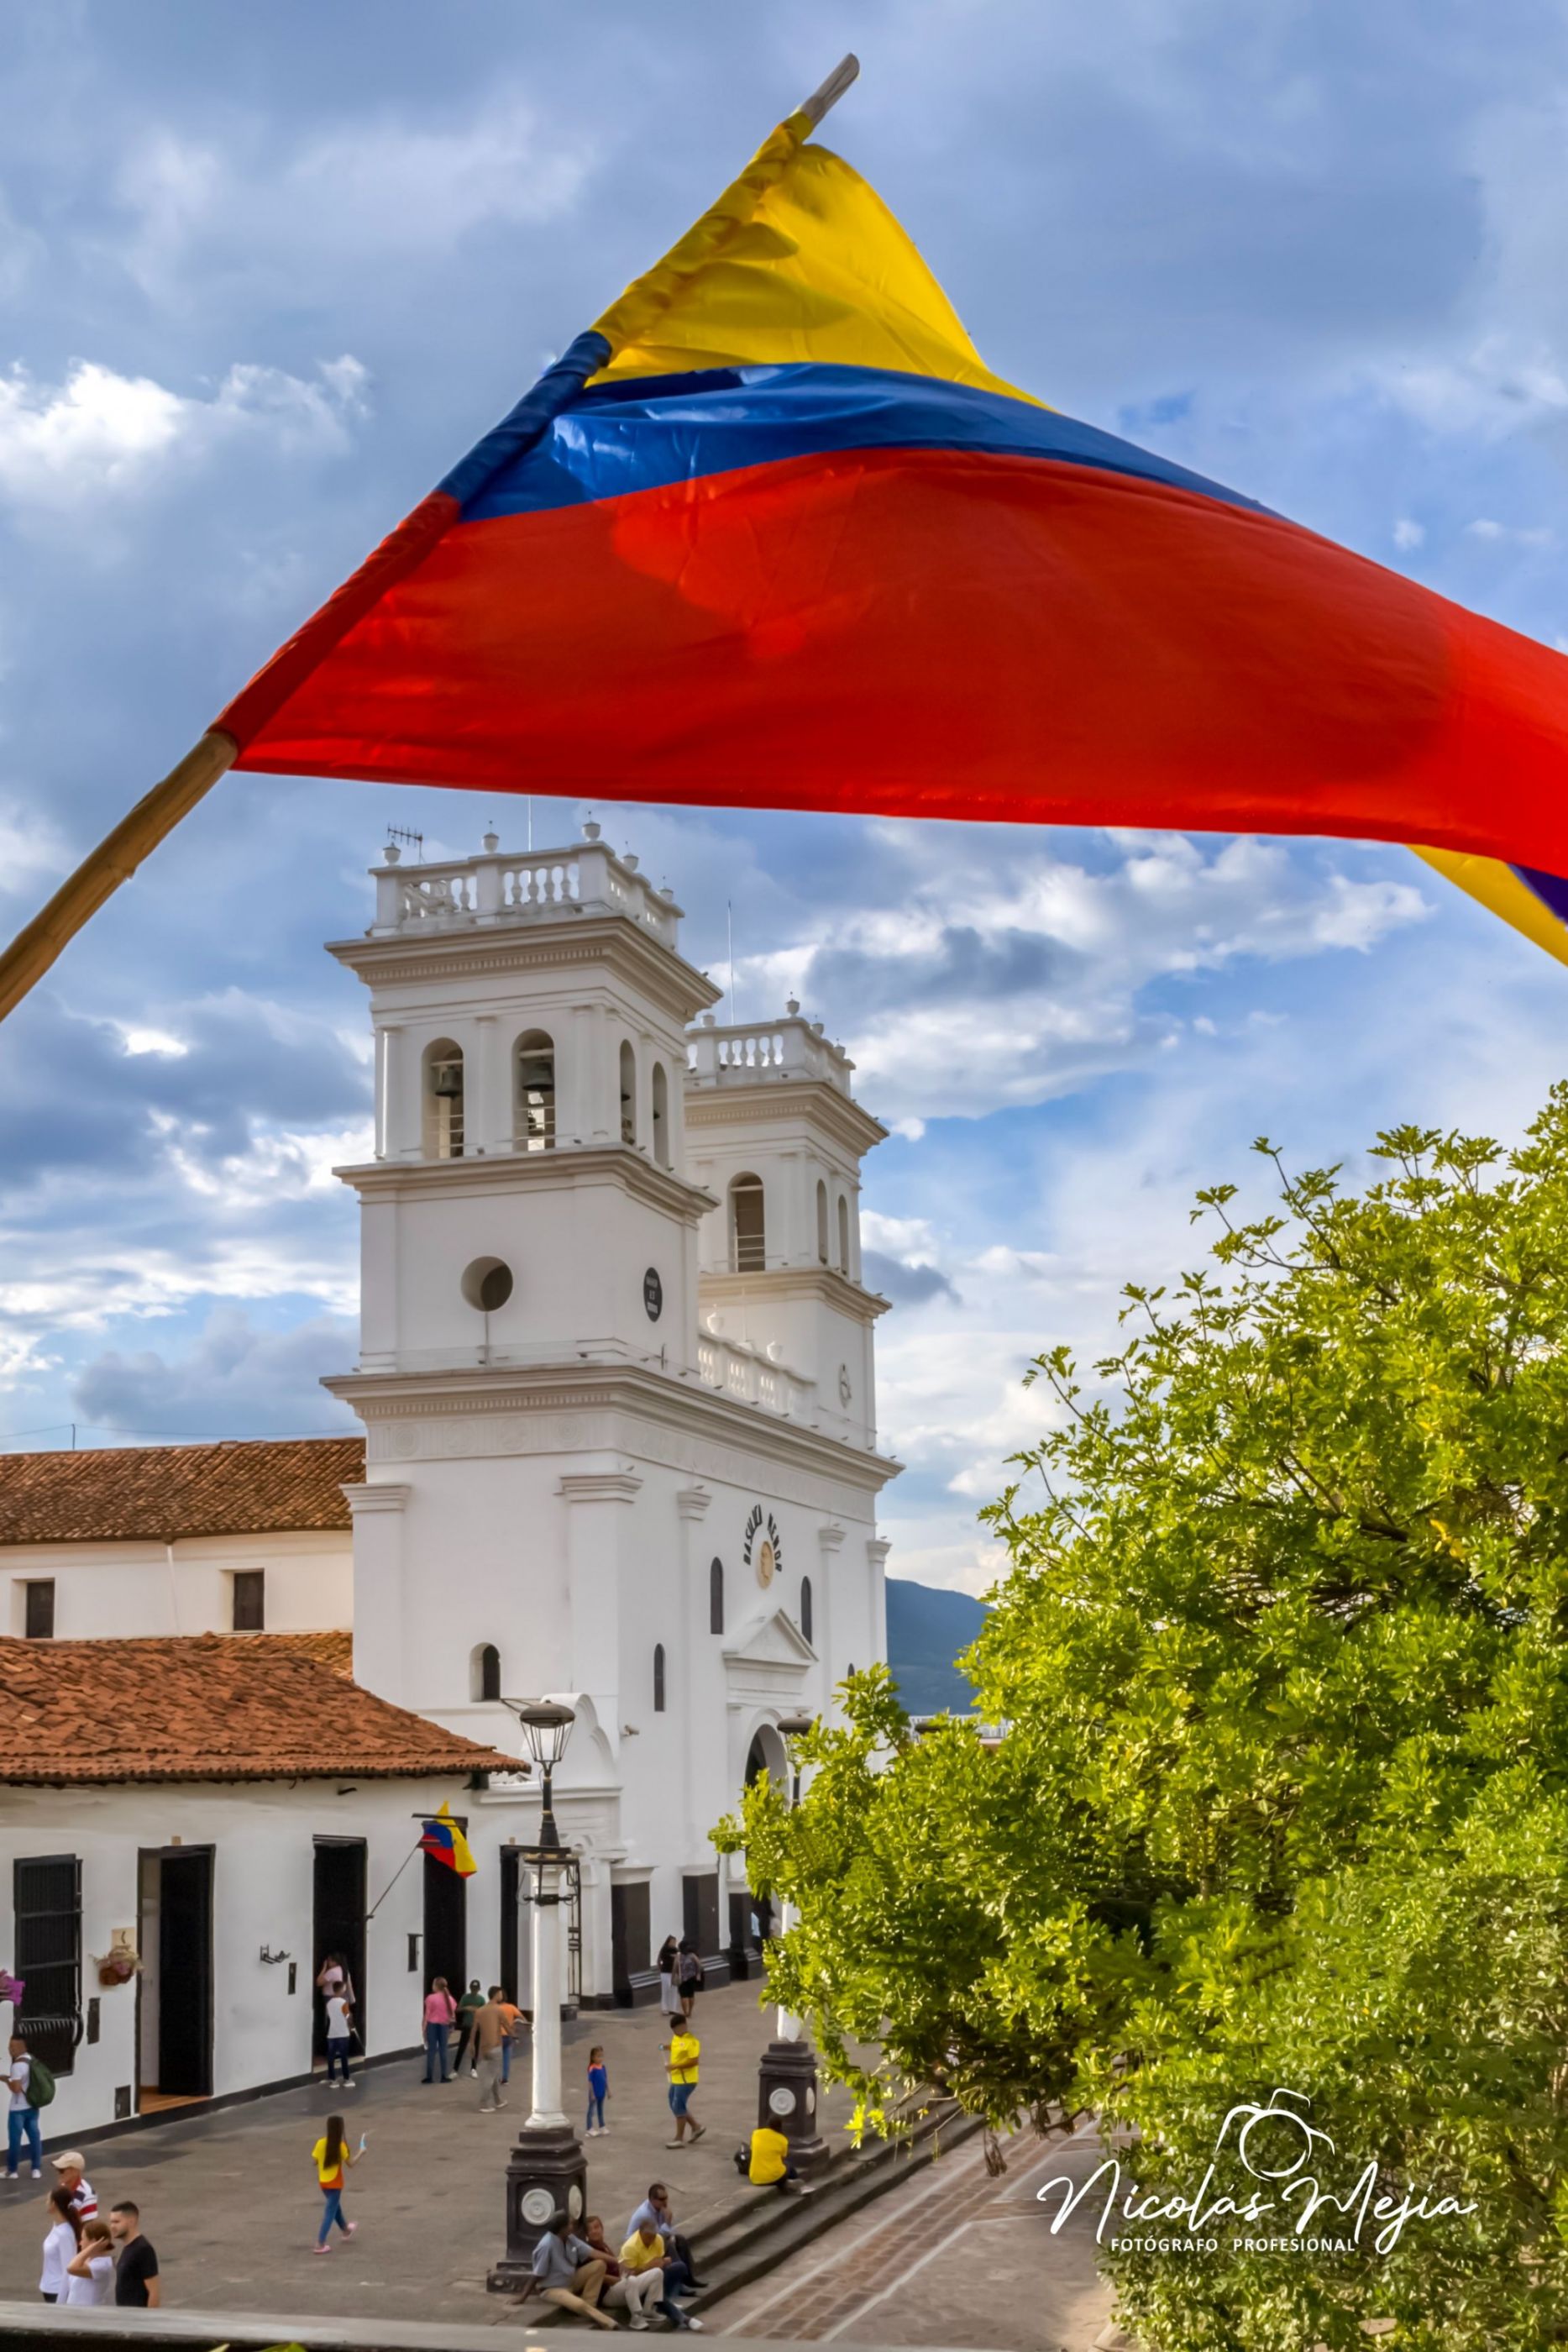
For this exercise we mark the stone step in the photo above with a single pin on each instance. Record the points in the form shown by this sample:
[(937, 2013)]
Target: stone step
[(748, 2234), (747, 2247)]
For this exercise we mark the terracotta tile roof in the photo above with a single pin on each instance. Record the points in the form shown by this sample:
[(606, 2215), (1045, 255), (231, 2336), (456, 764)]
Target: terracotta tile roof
[(333, 1647), (250, 1487), (208, 1706)]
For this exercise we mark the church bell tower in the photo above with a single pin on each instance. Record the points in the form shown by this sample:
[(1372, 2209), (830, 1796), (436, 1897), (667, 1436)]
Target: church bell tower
[(527, 1224)]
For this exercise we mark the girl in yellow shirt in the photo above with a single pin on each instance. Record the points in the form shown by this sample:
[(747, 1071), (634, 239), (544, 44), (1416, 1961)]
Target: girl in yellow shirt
[(332, 2161)]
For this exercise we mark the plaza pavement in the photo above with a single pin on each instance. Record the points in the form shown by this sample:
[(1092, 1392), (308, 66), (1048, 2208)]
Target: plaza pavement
[(958, 2258), (229, 2198)]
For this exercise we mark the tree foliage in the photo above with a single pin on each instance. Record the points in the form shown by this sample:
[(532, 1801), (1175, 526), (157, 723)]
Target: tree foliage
[(1282, 1794)]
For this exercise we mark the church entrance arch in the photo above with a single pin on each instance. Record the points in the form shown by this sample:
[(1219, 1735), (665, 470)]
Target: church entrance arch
[(751, 1916), (766, 1754)]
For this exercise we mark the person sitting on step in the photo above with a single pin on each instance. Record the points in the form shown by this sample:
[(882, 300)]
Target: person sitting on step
[(766, 2163)]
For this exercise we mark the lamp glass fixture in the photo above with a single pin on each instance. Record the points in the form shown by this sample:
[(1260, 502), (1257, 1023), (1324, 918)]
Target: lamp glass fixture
[(547, 1726)]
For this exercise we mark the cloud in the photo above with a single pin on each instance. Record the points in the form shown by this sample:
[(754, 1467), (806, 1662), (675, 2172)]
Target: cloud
[(1409, 534), (1500, 387), (235, 1381), (98, 432), (293, 214), (1522, 535), (906, 1286), (980, 980), (31, 849)]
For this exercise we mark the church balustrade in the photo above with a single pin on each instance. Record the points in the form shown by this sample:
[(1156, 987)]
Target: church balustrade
[(736, 1054), (504, 887), (751, 1377)]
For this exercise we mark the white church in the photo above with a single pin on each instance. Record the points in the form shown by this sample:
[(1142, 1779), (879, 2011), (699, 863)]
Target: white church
[(617, 1392)]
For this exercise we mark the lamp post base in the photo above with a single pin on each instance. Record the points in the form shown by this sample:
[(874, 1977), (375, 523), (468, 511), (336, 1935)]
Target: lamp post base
[(787, 2100), (546, 2172)]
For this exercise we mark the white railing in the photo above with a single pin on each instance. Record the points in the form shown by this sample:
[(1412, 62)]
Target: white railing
[(502, 887), (742, 1053), (748, 1376)]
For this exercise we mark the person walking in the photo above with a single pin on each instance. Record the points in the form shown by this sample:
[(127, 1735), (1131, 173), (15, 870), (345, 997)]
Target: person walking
[(61, 2239), (684, 2051), (598, 2092), (513, 2017), (67, 2166), (22, 2121), (468, 2009), (89, 2274), (136, 2278), (645, 2250), (490, 2037), (332, 2160), (440, 2009), (340, 2027), (690, 1975), (567, 2272), (669, 1987)]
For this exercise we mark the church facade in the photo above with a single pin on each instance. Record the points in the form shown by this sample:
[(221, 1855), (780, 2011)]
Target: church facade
[(616, 1386)]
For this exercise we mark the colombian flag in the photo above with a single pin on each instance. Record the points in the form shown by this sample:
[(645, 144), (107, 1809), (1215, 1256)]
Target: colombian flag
[(771, 534), (444, 1842)]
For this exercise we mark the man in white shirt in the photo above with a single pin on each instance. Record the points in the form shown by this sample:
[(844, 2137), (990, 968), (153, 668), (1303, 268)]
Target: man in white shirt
[(339, 2026), (22, 2122)]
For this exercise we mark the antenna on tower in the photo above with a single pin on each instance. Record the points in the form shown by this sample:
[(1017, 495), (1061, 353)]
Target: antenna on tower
[(729, 924), (415, 841)]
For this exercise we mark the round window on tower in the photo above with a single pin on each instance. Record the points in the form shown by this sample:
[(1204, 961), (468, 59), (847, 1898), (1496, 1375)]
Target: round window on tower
[(487, 1284)]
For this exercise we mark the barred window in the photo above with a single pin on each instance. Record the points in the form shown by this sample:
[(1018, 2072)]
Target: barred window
[(46, 1894)]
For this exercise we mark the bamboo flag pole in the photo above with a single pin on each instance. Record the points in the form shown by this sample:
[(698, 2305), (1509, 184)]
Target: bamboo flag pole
[(114, 861), (118, 855)]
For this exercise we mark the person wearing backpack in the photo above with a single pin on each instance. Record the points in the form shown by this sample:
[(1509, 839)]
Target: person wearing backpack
[(32, 2087)]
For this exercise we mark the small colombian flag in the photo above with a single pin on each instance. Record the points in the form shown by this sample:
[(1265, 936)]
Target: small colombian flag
[(444, 1840)]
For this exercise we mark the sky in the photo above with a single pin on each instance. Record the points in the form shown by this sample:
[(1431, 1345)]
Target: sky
[(265, 274)]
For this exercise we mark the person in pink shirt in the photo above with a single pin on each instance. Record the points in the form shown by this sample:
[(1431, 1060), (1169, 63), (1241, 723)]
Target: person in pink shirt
[(440, 2011)]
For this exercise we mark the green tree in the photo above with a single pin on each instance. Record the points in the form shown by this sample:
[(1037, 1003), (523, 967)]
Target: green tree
[(1282, 1796)]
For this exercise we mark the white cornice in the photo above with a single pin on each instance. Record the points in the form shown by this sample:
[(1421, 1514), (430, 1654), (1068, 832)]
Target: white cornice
[(388, 1497), (641, 1403), (788, 1102), (599, 1486), (820, 1283), (610, 941), (566, 1167)]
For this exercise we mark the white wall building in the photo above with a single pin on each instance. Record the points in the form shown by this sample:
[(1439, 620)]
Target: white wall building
[(617, 1386)]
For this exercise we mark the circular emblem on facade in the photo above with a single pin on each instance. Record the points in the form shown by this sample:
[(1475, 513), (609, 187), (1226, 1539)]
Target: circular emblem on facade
[(845, 1391), (538, 2206), (574, 2202), (653, 1294), (781, 2102), (762, 1548), (811, 2100)]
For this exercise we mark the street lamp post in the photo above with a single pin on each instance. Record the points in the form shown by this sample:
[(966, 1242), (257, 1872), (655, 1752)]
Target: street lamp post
[(546, 2169), (787, 2074)]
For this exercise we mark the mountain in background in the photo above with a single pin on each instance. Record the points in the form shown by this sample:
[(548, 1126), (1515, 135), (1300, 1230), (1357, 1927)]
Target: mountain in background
[(927, 1627)]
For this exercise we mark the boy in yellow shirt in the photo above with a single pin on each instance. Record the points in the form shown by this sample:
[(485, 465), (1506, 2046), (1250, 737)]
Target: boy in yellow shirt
[(685, 2049)]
